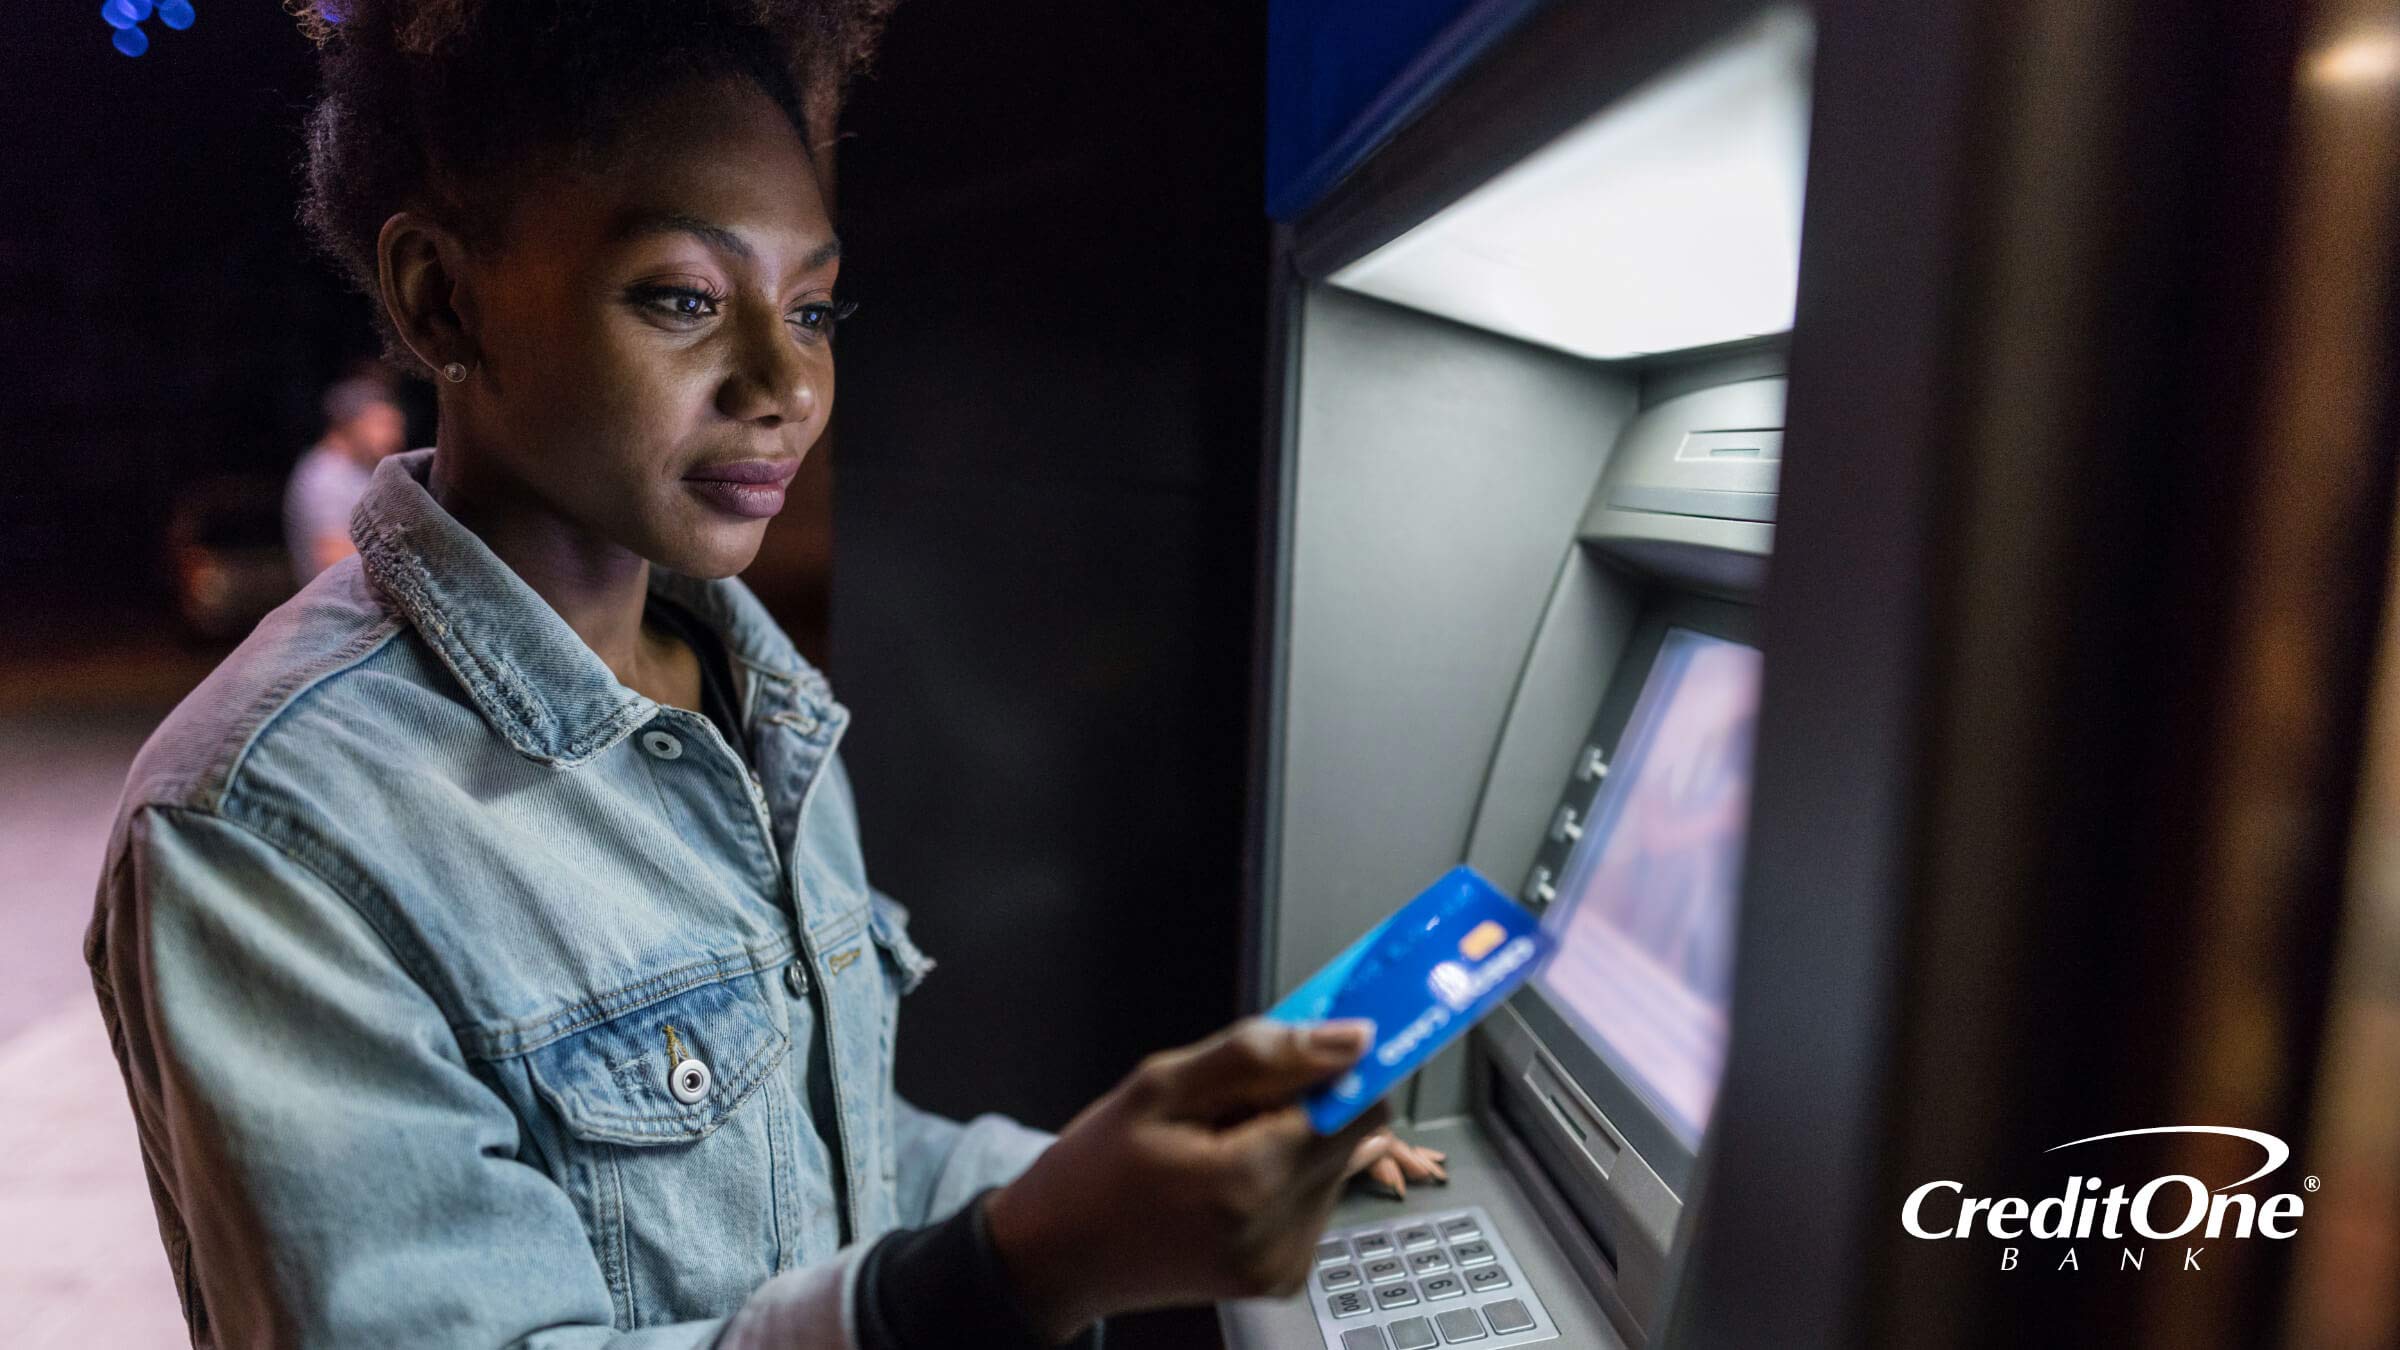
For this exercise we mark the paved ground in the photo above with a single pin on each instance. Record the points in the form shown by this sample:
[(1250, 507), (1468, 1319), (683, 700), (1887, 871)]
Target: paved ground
[(80, 1263)]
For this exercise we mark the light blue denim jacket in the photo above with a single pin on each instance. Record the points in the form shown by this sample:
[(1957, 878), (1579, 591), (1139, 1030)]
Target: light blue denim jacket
[(399, 907)]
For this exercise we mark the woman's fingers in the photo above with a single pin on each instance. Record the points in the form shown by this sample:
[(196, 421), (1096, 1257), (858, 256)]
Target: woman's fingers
[(1414, 1162), (1393, 1162), (1372, 1147)]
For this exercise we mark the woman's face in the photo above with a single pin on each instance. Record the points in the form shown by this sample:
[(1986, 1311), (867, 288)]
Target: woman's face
[(652, 338)]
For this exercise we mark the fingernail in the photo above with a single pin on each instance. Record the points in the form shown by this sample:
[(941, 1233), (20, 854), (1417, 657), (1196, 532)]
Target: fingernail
[(1349, 1036)]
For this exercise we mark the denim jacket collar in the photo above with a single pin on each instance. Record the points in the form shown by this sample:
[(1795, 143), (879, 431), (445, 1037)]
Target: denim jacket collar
[(534, 680)]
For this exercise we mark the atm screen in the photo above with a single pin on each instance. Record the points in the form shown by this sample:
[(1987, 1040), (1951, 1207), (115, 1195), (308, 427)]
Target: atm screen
[(1645, 910)]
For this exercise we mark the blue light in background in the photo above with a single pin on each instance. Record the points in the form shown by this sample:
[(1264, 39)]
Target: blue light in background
[(126, 16)]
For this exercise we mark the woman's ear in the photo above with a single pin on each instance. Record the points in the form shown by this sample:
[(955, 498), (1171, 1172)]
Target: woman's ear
[(422, 268)]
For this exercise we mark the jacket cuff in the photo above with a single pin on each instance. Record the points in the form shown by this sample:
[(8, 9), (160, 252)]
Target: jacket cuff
[(814, 1306)]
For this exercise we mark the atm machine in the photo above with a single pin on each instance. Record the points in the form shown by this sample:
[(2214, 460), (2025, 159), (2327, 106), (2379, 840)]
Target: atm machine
[(1533, 374)]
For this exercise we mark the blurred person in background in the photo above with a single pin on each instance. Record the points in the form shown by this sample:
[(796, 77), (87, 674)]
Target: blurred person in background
[(363, 425), (487, 944)]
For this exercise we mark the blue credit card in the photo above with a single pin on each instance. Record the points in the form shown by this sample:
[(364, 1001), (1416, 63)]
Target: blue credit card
[(1422, 976)]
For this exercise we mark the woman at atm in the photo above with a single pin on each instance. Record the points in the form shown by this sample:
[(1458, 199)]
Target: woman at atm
[(486, 943)]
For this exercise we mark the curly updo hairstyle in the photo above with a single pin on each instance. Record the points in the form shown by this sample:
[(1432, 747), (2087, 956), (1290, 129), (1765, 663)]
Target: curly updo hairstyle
[(441, 106)]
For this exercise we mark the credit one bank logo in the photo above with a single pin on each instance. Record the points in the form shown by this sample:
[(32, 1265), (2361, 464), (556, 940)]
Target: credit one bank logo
[(2174, 1208)]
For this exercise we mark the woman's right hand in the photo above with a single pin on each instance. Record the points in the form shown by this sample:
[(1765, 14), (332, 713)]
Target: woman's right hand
[(1197, 1178)]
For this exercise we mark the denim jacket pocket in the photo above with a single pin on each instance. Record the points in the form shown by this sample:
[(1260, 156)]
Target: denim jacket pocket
[(671, 1152)]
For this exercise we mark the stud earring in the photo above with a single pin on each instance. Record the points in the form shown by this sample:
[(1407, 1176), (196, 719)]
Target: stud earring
[(455, 372)]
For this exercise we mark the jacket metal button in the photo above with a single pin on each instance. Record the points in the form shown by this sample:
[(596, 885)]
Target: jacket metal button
[(690, 1081), (795, 978), (662, 745)]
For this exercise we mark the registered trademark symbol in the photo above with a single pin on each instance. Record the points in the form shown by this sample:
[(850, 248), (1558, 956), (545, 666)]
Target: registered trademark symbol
[(2310, 1182)]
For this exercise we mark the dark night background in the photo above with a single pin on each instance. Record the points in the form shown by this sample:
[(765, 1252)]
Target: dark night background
[(1040, 516), (161, 318)]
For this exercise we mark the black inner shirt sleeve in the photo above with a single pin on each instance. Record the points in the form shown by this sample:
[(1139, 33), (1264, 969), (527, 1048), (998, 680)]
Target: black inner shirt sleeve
[(943, 1286)]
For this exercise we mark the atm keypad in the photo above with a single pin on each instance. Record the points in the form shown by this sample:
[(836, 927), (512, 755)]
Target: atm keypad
[(1375, 1280)]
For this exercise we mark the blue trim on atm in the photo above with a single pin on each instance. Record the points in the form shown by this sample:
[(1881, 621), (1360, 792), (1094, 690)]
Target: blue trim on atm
[(1343, 75)]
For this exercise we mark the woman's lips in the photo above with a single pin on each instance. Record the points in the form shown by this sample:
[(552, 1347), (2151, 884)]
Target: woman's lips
[(750, 488)]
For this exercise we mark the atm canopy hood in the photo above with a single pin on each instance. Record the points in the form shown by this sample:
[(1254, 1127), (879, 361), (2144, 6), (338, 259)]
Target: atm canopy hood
[(1668, 220)]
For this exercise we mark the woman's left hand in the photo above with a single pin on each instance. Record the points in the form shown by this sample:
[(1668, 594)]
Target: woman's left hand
[(1394, 1162)]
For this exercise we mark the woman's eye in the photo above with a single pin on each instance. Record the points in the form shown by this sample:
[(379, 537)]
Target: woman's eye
[(818, 319), (679, 303)]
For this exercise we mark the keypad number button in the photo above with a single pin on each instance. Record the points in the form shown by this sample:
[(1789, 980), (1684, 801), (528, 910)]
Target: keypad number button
[(1425, 1263), (1389, 1268), (1418, 1238), (1352, 1304), (1485, 1279), (1372, 1245), (1440, 1287), (1461, 1228), (1473, 1253), (1389, 1296), (1336, 1278)]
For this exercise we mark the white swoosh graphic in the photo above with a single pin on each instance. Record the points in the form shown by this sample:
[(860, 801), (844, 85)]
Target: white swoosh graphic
[(2278, 1152)]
